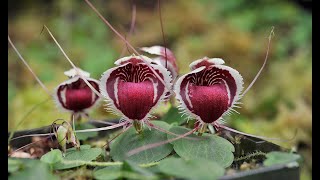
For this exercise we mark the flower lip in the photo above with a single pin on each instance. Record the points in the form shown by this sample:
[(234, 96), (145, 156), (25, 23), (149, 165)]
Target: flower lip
[(133, 82), (75, 95), (209, 91), (135, 99), (209, 102)]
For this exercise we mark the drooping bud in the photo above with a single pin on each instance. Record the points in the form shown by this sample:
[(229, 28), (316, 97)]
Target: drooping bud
[(61, 136), (165, 57), (65, 135)]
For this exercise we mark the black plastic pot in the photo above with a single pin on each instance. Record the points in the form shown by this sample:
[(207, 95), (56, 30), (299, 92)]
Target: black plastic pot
[(243, 145)]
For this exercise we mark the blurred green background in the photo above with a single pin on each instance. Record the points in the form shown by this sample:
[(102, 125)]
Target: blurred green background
[(236, 30)]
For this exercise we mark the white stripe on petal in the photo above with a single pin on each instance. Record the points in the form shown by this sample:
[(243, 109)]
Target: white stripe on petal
[(213, 61), (187, 95), (103, 90), (238, 79), (115, 86), (177, 89)]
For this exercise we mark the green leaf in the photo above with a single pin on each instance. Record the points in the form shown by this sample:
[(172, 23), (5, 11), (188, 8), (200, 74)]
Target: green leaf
[(133, 167), (82, 147), (210, 147), (14, 165), (173, 116), (52, 157), (108, 173), (191, 169), (131, 140), (277, 157), (115, 172), (85, 135), (37, 170), (74, 155)]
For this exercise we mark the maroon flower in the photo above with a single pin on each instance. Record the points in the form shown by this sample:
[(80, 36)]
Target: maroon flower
[(132, 90), (209, 91), (74, 95), (163, 55)]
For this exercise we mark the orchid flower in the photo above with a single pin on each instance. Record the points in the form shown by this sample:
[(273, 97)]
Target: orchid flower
[(165, 57), (74, 95), (209, 91), (132, 90)]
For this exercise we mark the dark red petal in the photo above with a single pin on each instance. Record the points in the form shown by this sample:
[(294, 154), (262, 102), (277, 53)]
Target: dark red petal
[(209, 91), (75, 95), (132, 73), (212, 75), (135, 99), (209, 102), (139, 76)]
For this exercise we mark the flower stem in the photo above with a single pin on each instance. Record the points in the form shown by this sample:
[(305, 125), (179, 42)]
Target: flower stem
[(138, 126), (202, 129)]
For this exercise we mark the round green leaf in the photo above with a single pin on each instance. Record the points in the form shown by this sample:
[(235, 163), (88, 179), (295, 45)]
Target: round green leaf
[(173, 116), (133, 167), (82, 147), (131, 140), (191, 169), (210, 147), (108, 173), (14, 165), (39, 170), (74, 155), (52, 157), (277, 157)]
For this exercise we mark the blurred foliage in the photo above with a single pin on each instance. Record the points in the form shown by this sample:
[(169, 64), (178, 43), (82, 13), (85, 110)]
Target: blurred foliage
[(277, 105)]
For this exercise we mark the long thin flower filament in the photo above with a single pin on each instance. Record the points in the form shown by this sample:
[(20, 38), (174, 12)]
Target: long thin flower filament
[(133, 20), (264, 63), (162, 32), (260, 137), (102, 129), (166, 131), (24, 118), (27, 146), (72, 64), (32, 135), (123, 39), (29, 68), (113, 138)]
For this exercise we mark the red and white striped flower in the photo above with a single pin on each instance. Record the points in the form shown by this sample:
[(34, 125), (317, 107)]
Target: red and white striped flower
[(209, 91), (74, 95), (132, 89), (164, 54)]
